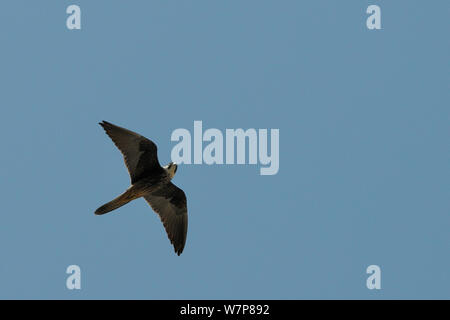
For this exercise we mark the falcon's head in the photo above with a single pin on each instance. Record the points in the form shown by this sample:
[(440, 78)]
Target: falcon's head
[(171, 168)]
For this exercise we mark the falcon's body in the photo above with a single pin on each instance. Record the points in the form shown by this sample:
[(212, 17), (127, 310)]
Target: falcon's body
[(150, 181)]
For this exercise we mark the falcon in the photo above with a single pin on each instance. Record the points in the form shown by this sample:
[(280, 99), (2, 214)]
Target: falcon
[(150, 181)]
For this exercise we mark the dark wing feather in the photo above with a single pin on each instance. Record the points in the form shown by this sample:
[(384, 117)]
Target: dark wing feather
[(169, 203), (140, 154)]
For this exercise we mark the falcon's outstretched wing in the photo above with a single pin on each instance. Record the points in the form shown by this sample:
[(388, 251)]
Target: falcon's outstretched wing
[(169, 203), (140, 154)]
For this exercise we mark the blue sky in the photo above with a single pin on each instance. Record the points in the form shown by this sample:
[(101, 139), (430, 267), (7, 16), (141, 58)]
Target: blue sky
[(364, 129)]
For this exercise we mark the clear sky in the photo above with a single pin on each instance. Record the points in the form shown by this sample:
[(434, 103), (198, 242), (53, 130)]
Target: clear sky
[(364, 148)]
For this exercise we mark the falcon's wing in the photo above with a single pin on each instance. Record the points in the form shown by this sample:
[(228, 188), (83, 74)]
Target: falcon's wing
[(140, 154), (170, 204)]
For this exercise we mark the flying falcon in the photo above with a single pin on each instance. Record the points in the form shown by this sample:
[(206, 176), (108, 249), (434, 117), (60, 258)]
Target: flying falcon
[(150, 181)]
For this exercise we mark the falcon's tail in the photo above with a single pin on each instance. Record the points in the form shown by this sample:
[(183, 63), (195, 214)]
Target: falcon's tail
[(121, 200)]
